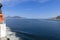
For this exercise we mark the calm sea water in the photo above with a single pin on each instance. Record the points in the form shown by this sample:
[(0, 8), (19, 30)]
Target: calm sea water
[(35, 29)]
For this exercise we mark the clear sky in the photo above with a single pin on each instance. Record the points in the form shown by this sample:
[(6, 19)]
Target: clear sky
[(31, 8)]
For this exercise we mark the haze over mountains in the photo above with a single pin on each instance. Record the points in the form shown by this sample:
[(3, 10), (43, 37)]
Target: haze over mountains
[(14, 17), (53, 18)]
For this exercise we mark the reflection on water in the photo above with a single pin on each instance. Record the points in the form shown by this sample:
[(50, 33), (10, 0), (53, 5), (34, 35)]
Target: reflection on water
[(35, 29)]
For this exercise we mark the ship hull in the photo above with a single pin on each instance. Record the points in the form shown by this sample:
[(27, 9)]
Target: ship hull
[(2, 30)]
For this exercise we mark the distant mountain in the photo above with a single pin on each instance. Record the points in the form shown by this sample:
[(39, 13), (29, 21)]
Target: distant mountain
[(14, 17), (56, 18)]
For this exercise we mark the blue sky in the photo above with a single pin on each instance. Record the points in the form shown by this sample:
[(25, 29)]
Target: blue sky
[(31, 8)]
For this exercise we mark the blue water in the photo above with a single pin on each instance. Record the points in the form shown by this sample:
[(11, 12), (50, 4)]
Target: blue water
[(35, 29)]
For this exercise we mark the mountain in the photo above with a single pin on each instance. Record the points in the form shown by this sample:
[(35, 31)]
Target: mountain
[(14, 17), (56, 18)]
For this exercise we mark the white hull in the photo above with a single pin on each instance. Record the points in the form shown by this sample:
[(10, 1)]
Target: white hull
[(2, 30)]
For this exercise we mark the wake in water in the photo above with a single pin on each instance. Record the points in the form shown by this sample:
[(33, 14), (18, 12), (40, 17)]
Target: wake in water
[(26, 36), (11, 35)]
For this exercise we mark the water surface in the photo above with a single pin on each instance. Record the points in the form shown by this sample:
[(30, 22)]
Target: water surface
[(35, 29)]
